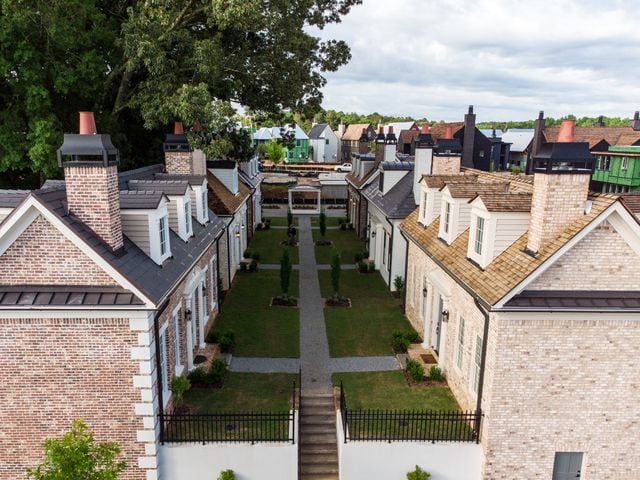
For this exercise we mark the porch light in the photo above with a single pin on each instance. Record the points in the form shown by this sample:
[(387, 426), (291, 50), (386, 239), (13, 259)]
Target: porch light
[(187, 315), (445, 316), (237, 233), (373, 234), (242, 226), (424, 292)]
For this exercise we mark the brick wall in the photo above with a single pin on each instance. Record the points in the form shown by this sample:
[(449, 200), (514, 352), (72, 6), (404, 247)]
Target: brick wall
[(44, 256), (445, 165), (595, 263), (557, 200), (93, 196), (57, 370), (179, 163)]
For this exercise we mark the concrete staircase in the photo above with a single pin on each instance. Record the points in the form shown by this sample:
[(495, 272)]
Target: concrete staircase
[(318, 442)]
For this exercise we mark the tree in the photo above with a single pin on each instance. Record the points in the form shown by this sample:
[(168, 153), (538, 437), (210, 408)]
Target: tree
[(139, 65), (76, 456), (275, 151), (335, 274), (323, 223), (285, 272), (289, 217)]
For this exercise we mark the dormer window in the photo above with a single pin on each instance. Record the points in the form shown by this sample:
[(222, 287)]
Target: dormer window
[(479, 235), (163, 231), (447, 217), (205, 209), (187, 216)]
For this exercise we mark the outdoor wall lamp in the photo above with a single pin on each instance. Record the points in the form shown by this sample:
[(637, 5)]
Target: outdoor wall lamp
[(373, 234), (445, 316), (242, 226), (237, 233), (187, 315), (424, 292)]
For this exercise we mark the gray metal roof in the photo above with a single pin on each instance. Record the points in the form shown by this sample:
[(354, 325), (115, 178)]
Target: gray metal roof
[(394, 165), (575, 300), (519, 139), (11, 198), (143, 173), (64, 295), (168, 187), (398, 202), (196, 180), (317, 130), (140, 199)]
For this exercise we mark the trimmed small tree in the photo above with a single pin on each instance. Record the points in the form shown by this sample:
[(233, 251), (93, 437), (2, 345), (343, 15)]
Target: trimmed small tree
[(289, 218), (285, 272), (77, 456), (323, 224), (335, 274)]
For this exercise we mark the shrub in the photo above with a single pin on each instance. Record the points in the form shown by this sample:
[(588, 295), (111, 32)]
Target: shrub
[(350, 226), (412, 336), (217, 372), (415, 370), (365, 254), (335, 273), (179, 386), (259, 226), (198, 377), (435, 374), (289, 217), (247, 253), (341, 221), (323, 224), (227, 475), (285, 272), (516, 170), (343, 226), (399, 342), (418, 474), (267, 221), (227, 341), (243, 266), (255, 256), (363, 266), (372, 266), (357, 258), (212, 336), (253, 265), (398, 283)]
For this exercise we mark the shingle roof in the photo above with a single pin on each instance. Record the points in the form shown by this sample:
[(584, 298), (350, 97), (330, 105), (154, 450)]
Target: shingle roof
[(317, 130), (408, 136), (471, 189), (438, 129), (11, 198), (506, 202), (143, 173), (509, 268), (140, 199), (439, 181), (632, 201), (354, 131), (594, 135), (168, 187), (398, 202), (195, 180), (221, 200), (48, 295)]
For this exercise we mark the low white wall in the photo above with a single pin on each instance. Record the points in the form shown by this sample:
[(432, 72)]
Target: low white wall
[(249, 462), (392, 461)]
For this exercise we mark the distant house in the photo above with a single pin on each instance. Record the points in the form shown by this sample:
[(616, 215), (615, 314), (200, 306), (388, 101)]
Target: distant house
[(351, 138), (300, 151), (406, 141), (617, 169), (323, 144), (520, 145), (398, 127)]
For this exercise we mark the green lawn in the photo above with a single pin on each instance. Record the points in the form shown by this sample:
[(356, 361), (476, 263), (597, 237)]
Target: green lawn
[(367, 327), (267, 244), (279, 221), (345, 242), (331, 221), (389, 390), (260, 330), (249, 392)]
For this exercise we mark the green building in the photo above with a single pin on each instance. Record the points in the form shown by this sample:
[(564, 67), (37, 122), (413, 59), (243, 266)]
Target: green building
[(617, 170), (299, 153)]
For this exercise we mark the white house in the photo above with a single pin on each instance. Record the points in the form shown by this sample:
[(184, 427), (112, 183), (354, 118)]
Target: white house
[(324, 144)]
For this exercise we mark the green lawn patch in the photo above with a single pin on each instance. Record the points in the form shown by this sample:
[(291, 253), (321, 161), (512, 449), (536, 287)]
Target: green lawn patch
[(248, 392), (389, 390), (366, 328), (260, 330), (345, 242), (268, 244), (279, 221), (331, 221)]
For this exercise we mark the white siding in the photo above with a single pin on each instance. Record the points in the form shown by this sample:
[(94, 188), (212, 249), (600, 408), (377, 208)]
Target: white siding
[(228, 177), (172, 207), (136, 228), (509, 227), (463, 216)]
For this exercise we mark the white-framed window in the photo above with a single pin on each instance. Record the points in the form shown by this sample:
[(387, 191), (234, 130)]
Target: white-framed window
[(423, 207), (624, 164), (213, 282), (205, 207), (176, 339), (205, 301), (164, 236), (187, 218), (384, 248), (447, 216), (460, 343), (164, 363), (479, 235), (475, 381)]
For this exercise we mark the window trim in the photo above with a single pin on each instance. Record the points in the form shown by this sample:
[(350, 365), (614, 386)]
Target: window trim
[(164, 364), (188, 220), (479, 235), (460, 342), (447, 217), (163, 235), (477, 363), (175, 316)]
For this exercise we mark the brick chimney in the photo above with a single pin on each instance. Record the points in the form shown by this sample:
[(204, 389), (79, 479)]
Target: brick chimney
[(600, 122), (469, 138), (363, 144), (179, 157), (446, 154), (90, 163), (536, 143), (423, 160), (380, 141), (390, 146), (562, 172), (635, 123)]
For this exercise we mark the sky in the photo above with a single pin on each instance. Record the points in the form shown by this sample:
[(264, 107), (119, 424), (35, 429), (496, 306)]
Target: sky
[(508, 58)]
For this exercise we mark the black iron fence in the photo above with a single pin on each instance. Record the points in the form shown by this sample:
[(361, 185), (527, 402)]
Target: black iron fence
[(248, 427), (408, 425)]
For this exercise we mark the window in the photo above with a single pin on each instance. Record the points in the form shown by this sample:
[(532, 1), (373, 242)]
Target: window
[(381, 182), (298, 143), (599, 162), (460, 343), (479, 235), (476, 366), (481, 153), (625, 163), (447, 216), (567, 465), (213, 282), (423, 206), (606, 163), (187, 217), (326, 142), (389, 251), (205, 304), (164, 370), (384, 249), (176, 337), (205, 207), (163, 236)]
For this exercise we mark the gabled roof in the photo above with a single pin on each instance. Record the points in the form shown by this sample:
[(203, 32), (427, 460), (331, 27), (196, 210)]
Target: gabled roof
[(505, 202), (595, 135), (439, 129), (439, 181), (168, 187), (354, 131), (408, 136), (11, 198), (471, 189), (140, 199), (221, 200), (193, 180), (519, 139), (398, 202), (399, 126), (317, 130)]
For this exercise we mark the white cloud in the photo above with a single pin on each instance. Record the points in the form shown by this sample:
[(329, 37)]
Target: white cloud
[(509, 58)]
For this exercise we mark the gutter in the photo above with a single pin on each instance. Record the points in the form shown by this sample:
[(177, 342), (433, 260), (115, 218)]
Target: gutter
[(156, 336), (483, 362), (406, 271), (390, 253)]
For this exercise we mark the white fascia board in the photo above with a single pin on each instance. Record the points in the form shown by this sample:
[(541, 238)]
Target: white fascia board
[(27, 212), (51, 311), (624, 223)]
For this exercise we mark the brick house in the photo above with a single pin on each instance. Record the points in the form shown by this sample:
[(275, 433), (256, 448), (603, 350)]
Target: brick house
[(108, 285), (526, 290), (350, 140)]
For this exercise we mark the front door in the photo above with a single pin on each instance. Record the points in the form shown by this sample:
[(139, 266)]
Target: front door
[(567, 465), (439, 325)]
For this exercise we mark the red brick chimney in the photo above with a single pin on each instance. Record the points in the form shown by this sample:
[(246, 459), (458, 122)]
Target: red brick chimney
[(363, 144), (448, 133), (90, 163), (380, 140), (179, 157)]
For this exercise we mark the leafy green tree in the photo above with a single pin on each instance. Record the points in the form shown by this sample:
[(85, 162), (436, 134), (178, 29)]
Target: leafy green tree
[(139, 65), (275, 151), (335, 274), (285, 272), (323, 223), (77, 456)]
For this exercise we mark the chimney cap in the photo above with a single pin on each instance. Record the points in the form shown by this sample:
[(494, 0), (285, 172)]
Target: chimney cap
[(87, 123), (425, 139), (380, 137), (470, 108), (541, 115), (567, 131), (448, 133), (425, 128), (391, 137), (178, 129)]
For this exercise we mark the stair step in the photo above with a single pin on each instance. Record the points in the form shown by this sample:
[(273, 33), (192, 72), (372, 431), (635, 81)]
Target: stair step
[(320, 476), (318, 438), (329, 468), (317, 419), (328, 429), (328, 401), (319, 457)]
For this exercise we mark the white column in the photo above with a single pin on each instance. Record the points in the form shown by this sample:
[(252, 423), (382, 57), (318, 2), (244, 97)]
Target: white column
[(290, 206), (426, 312), (189, 345), (201, 316)]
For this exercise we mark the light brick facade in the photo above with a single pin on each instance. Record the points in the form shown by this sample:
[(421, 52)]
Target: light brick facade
[(94, 197), (179, 163), (443, 165)]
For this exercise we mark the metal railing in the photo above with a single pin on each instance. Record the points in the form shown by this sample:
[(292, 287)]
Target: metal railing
[(408, 425), (299, 413)]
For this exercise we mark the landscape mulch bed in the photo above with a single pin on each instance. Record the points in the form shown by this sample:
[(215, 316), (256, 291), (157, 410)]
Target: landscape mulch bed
[(340, 302), (280, 302)]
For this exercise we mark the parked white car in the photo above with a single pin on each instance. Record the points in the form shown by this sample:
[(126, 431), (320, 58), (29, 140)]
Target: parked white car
[(345, 167)]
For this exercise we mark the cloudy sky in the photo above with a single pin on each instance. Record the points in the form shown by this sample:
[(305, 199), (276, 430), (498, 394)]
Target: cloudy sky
[(509, 58)]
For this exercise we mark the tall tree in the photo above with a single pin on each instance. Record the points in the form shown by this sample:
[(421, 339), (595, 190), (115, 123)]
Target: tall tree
[(140, 64)]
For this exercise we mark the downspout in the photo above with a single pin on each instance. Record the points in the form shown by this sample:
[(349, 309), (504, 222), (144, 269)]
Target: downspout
[(483, 360), (390, 253), (156, 336), (406, 273), (217, 286), (228, 256)]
